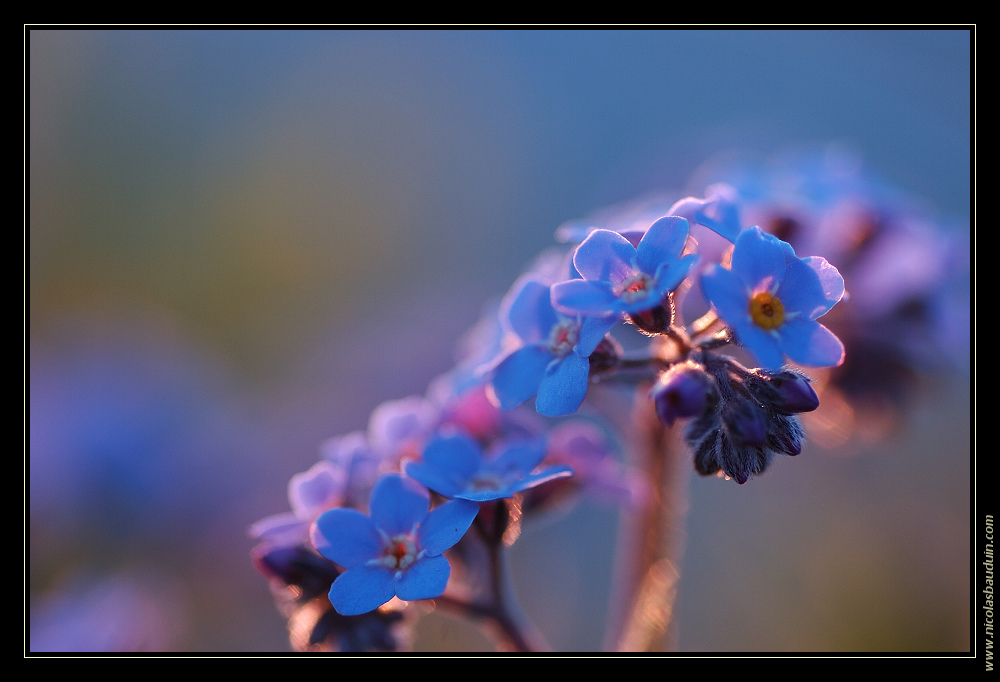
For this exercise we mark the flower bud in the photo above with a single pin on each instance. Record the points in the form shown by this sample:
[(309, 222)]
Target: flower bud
[(298, 567), (786, 435), (794, 394), (656, 320), (605, 357), (682, 391), (745, 422)]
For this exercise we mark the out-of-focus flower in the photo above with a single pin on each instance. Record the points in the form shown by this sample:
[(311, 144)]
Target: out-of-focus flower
[(718, 211), (619, 278), (771, 299), (395, 552), (456, 467), (310, 493), (552, 361), (597, 472)]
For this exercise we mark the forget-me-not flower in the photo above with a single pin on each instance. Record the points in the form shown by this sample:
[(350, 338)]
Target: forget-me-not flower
[(771, 299), (552, 361), (395, 552), (619, 278), (456, 467)]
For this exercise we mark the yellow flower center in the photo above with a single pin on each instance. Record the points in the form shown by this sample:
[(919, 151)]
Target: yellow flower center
[(767, 311)]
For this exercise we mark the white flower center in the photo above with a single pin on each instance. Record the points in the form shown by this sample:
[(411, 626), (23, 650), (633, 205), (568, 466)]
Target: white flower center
[(399, 552), (563, 337), (634, 288)]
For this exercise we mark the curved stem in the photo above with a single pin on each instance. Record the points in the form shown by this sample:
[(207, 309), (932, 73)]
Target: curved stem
[(498, 606), (650, 542)]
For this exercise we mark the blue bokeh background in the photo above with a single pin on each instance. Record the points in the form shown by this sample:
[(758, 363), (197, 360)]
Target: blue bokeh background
[(240, 242)]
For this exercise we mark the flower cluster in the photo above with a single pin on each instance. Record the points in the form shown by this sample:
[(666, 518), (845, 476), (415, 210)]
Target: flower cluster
[(716, 312)]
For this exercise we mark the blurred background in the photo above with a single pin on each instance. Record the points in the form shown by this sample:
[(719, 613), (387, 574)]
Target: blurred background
[(241, 242)]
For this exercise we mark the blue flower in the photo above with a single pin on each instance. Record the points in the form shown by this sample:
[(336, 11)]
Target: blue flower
[(552, 361), (397, 551), (771, 299), (456, 467), (619, 278)]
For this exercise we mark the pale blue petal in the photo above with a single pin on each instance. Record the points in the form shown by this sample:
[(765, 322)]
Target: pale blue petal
[(425, 579), (669, 275), (764, 345), (484, 495), (518, 375), (605, 256), (520, 456), (446, 525), (727, 294), (801, 291), (585, 297), (285, 529), (398, 504), (319, 488), (529, 311), (811, 344), (758, 259), (564, 386), (662, 243), (455, 453), (362, 589), (346, 537), (592, 332), (727, 222), (831, 281), (544, 476), (441, 481)]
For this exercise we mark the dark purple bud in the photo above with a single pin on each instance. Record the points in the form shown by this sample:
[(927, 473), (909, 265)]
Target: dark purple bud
[(745, 422), (787, 437), (656, 320), (297, 567), (682, 391), (794, 394)]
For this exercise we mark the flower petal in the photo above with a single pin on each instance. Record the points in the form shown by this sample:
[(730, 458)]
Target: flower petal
[(528, 311), (398, 504), (285, 529), (448, 463), (585, 297), (516, 377), (446, 525), (662, 243), (346, 537), (592, 332), (726, 293), (604, 256), (809, 343), (669, 275), (362, 589), (544, 476), (456, 453), (425, 579), (831, 282), (319, 488), (564, 386), (758, 259), (519, 456), (765, 346)]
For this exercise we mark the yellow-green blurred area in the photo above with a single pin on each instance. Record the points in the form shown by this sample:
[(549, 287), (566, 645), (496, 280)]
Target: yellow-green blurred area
[(241, 242)]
